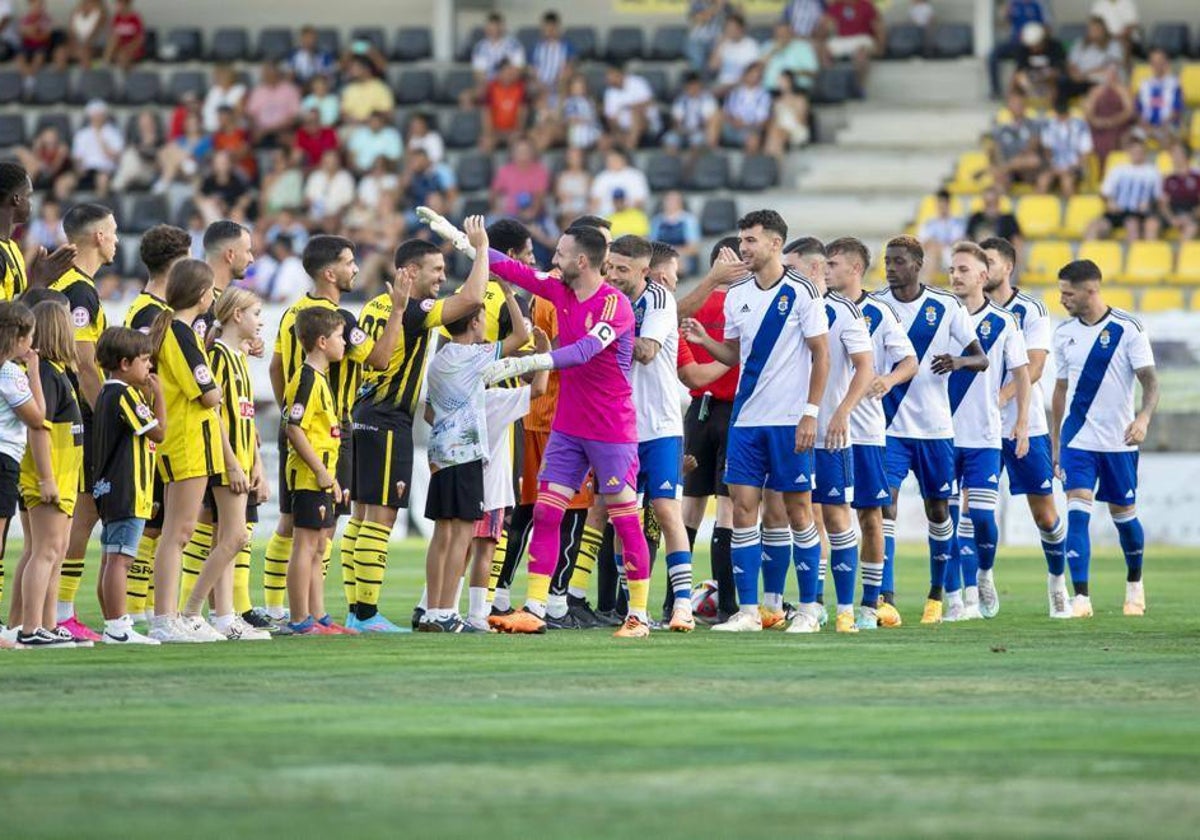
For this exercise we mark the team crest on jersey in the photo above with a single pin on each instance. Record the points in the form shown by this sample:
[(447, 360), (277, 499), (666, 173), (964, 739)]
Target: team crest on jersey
[(203, 374), (143, 411), (930, 315), (246, 408), (867, 321), (201, 327), (985, 328), (297, 412), (357, 337), (1104, 338), (587, 322), (427, 305), (80, 317), (784, 303)]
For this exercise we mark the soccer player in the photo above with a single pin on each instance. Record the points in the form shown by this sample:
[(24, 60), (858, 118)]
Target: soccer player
[(15, 210), (1095, 433), (228, 250), (385, 407), (895, 363), (975, 409), (1033, 475), (92, 229), (920, 433), (659, 418), (776, 326)]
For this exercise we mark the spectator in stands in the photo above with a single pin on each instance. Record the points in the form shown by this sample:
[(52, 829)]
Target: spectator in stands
[(287, 223), (857, 34), (184, 155), (504, 114), (421, 178), (805, 18), (1109, 111), (788, 53), (308, 60), (552, 59), (283, 184), (692, 115), (1066, 141), (580, 117), (86, 29), (733, 53), (706, 20), (46, 159), (138, 165), (368, 143), (790, 115), (365, 93), (1132, 191), (380, 186), (126, 43), (1016, 14), (225, 92), (37, 41), (992, 220), (313, 139), (1160, 101), (1121, 20), (1014, 152), (676, 226), (288, 280), (1179, 203), (1041, 63), (1089, 60), (46, 231), (543, 232), (225, 192), (328, 190), (629, 107), (188, 104), (939, 234), (273, 107), (626, 218), (421, 135), (231, 137), (523, 174), (618, 174), (96, 148), (321, 97), (572, 187), (495, 48), (745, 115)]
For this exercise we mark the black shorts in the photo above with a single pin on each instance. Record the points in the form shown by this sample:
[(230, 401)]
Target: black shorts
[(313, 509), (705, 441), (456, 493), (382, 458), (285, 495), (210, 503), (155, 522), (10, 493), (1118, 219), (345, 469), (86, 475)]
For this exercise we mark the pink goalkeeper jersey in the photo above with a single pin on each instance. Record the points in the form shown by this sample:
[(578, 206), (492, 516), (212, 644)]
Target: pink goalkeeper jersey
[(595, 399)]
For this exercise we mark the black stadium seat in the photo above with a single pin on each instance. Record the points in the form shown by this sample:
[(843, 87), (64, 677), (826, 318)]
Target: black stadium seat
[(131, 122), (329, 40), (527, 37), (595, 75), (373, 35), (95, 83), (183, 81), (454, 83), (148, 210), (1069, 33), (951, 40), (664, 172), (905, 40), (464, 130), (668, 43), (710, 171), (659, 82), (11, 87), (758, 172), (474, 172), (718, 217), (113, 203), (1171, 36), (274, 44), (835, 84), (184, 44), (583, 39), (625, 43), (58, 120), (230, 43), (12, 130), (468, 43), (142, 87), (50, 87), (414, 87), (413, 43), (474, 206)]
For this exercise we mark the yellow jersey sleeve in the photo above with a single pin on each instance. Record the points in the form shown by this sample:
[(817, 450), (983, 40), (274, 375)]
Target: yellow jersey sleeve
[(87, 315), (183, 356), (135, 413)]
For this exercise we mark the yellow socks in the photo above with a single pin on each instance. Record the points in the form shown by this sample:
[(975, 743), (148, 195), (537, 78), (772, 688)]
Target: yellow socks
[(370, 566), (241, 576), (68, 584), (346, 553), (585, 561), (137, 583), (325, 558), (539, 589), (639, 595), (275, 563), (194, 555), (497, 565)]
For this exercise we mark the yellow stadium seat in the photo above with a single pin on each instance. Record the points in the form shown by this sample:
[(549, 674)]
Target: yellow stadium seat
[(1039, 215), (1141, 72), (1147, 262), (976, 204), (1187, 264), (928, 208), (1189, 78), (1161, 300), (1119, 298), (1194, 134), (1082, 210), (1106, 255), (1054, 304), (1164, 163), (1045, 259), (972, 174), (1195, 305), (1115, 159)]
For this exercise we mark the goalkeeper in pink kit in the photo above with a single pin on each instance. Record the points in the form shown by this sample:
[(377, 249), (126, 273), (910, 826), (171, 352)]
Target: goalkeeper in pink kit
[(595, 426)]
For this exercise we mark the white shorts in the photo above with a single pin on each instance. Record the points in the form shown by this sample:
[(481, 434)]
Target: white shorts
[(846, 47)]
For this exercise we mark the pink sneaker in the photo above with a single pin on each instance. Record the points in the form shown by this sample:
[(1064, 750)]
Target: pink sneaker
[(78, 630)]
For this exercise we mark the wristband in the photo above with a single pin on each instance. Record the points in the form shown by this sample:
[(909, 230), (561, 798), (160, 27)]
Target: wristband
[(812, 411)]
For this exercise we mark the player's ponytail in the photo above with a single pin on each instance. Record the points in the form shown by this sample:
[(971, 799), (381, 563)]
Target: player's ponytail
[(232, 301), (187, 284)]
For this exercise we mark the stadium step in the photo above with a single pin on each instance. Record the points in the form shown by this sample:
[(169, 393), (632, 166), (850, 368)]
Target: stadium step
[(920, 82), (925, 127), (826, 216), (838, 169)]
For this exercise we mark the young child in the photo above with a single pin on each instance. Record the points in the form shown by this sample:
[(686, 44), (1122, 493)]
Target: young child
[(50, 471), (313, 434), (125, 424)]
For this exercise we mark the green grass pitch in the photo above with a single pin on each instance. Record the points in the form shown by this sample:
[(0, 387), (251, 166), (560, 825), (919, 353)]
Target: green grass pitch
[(1016, 727)]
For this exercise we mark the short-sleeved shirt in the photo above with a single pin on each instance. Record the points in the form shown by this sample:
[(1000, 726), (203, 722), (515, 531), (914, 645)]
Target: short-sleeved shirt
[(853, 17), (1014, 138), (13, 279), (14, 393), (232, 374), (975, 396), (389, 397), (1133, 188), (65, 425), (1182, 190), (656, 383), (185, 376), (1036, 327), (504, 104), (309, 404), (142, 312), (87, 316), (889, 346), (124, 459), (459, 431), (848, 336), (503, 406)]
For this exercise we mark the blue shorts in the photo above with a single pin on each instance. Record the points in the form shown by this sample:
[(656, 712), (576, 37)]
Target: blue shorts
[(931, 461), (766, 456), (122, 536), (835, 477), (870, 477), (1116, 473), (977, 468), (661, 463), (1032, 475)]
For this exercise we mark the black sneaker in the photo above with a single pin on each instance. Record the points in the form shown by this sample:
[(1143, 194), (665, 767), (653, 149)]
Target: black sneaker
[(417, 615), (43, 638), (257, 618), (610, 618), (582, 612), (452, 624), (429, 627), (502, 613), (563, 622)]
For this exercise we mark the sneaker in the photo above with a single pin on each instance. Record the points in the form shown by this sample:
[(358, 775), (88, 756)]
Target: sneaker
[(9, 634), (740, 622), (989, 598), (1081, 606), (932, 614), (564, 622), (257, 618), (417, 615), (682, 620), (633, 628), (378, 624), (43, 638), (888, 615), (953, 609), (65, 636), (467, 626), (772, 619), (845, 622), (822, 615), (199, 629), (124, 634), (478, 624), (169, 631), (280, 627), (868, 619), (521, 621), (450, 624), (1060, 601), (582, 612), (241, 630), (5, 644), (338, 629), (971, 612), (807, 620), (430, 626), (610, 618), (79, 631), (1135, 598)]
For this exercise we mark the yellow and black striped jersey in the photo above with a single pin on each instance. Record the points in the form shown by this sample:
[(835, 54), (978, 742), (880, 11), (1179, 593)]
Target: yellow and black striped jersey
[(87, 315), (309, 404), (232, 374), (396, 389), (13, 280), (124, 460), (205, 320), (344, 376), (142, 312), (64, 422), (193, 445)]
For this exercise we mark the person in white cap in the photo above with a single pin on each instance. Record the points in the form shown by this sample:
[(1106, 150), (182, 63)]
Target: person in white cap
[(96, 148)]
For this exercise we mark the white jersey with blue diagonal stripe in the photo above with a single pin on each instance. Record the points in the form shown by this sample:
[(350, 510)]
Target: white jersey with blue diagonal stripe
[(889, 345), (1099, 362), (1038, 330), (847, 336), (975, 397), (936, 323), (771, 326)]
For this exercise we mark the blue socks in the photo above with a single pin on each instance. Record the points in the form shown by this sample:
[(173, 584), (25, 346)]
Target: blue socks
[(679, 574), (888, 580), (777, 559), (746, 554), (982, 515), (806, 554), (843, 562), (1079, 543), (1133, 543), (1053, 546), (941, 541)]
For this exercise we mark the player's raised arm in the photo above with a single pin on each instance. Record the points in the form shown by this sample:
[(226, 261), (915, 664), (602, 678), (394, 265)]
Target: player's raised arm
[(398, 293), (470, 296), (519, 336)]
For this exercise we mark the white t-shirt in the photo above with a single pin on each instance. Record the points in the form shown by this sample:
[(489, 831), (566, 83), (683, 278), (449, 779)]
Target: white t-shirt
[(771, 326), (975, 397), (848, 335), (502, 407), (1098, 363), (218, 98), (736, 56), (632, 181), (889, 345), (1035, 325), (656, 384), (456, 392), (1116, 14), (619, 102), (936, 323), (88, 149), (14, 388)]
